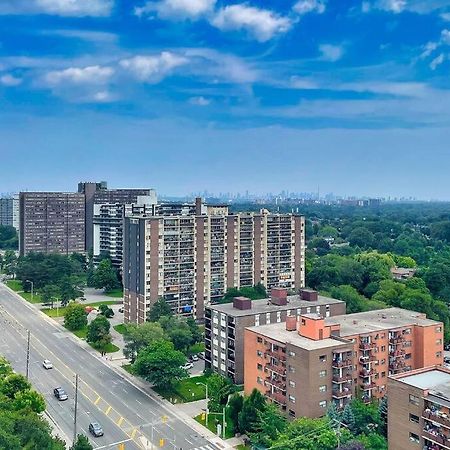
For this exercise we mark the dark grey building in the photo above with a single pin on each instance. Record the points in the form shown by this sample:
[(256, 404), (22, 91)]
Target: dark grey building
[(51, 222), (97, 194), (225, 324)]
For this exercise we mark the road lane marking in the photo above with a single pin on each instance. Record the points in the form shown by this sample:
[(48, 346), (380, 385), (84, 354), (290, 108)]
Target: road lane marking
[(96, 401), (133, 433), (119, 422), (108, 410)]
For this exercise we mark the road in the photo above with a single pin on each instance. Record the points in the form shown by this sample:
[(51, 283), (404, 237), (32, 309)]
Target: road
[(125, 412)]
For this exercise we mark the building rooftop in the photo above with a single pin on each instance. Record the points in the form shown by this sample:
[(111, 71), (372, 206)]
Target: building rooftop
[(278, 332), (380, 319), (265, 305)]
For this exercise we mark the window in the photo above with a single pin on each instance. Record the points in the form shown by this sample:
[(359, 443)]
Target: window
[(438, 329), (323, 404), (291, 413), (383, 361), (291, 353), (259, 353), (414, 437), (323, 388), (259, 380), (259, 339), (414, 399), (278, 316), (413, 418), (291, 383), (308, 310), (438, 341), (291, 398), (438, 354), (407, 344), (322, 373), (267, 317), (383, 374), (383, 348), (259, 366), (407, 331), (257, 320), (323, 358), (291, 369)]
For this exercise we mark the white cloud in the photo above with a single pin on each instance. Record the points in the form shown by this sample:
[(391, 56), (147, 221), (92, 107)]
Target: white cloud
[(180, 9), (446, 17), (395, 6), (10, 80), (91, 75), (302, 83), (260, 23), (308, 6), (445, 37), (103, 97), (76, 8), (398, 6), (437, 61), (331, 52), (199, 101), (153, 68)]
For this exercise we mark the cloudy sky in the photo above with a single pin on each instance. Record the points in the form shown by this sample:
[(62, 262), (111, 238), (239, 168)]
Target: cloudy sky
[(187, 95)]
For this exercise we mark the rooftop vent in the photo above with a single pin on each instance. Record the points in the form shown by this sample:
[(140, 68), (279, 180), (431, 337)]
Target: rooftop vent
[(278, 296), (309, 295), (291, 323), (242, 303)]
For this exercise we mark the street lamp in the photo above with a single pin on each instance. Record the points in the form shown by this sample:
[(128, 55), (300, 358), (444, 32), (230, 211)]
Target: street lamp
[(32, 288), (207, 400)]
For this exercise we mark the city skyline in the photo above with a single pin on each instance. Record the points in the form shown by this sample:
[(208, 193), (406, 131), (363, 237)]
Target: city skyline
[(203, 94)]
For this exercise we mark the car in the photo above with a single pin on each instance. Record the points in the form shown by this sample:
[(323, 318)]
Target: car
[(194, 358), (201, 355), (60, 394), (446, 360), (447, 347), (95, 429), (187, 366), (46, 364)]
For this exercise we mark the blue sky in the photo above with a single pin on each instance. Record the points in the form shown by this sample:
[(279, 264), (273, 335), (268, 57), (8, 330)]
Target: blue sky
[(187, 95)]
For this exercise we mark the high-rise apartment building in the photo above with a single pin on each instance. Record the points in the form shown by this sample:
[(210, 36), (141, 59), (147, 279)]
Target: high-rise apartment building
[(98, 194), (191, 260), (108, 227), (51, 222), (225, 324), (306, 363), (9, 211), (419, 410)]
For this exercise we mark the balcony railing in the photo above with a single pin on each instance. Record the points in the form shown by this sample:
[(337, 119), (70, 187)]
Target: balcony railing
[(341, 393), (278, 354), (437, 437), (277, 369), (368, 386), (338, 363), (367, 346), (440, 418), (396, 340), (367, 373), (278, 383), (276, 396), (342, 379)]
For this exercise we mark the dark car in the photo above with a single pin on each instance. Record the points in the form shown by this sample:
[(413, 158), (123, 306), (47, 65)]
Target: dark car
[(60, 394), (95, 429)]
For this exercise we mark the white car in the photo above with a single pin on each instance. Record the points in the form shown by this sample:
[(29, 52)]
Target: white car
[(194, 358), (187, 366), (47, 364)]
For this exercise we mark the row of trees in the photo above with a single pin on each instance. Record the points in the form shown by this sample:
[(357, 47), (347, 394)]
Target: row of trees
[(9, 239)]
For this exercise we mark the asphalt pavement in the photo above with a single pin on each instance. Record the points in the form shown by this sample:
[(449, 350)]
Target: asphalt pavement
[(126, 413)]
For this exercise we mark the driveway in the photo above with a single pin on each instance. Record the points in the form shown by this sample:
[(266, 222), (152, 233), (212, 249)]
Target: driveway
[(97, 296)]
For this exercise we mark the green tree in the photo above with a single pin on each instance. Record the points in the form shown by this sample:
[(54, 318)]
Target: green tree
[(159, 309), (70, 288), (105, 276), (29, 400), (361, 237), (178, 331), (373, 441), (219, 389), (160, 364), (106, 311), (234, 408), (348, 418), (8, 237), (137, 337), (75, 317), (9, 262), (14, 384), (82, 443), (269, 426), (197, 335), (248, 417), (49, 293), (98, 333)]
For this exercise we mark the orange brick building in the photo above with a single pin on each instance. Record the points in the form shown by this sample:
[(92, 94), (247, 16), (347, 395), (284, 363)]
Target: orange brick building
[(303, 365)]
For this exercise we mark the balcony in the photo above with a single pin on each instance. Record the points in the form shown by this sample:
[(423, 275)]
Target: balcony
[(342, 393), (367, 346), (397, 354), (437, 417), (338, 363), (396, 340), (368, 386), (277, 383), (277, 369), (342, 379), (277, 354), (277, 397), (435, 435), (366, 372)]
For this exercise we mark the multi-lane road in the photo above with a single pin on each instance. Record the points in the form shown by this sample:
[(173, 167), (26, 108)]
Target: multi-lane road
[(127, 414)]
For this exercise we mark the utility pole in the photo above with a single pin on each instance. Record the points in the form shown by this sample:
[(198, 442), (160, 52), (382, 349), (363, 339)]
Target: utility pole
[(32, 288), (28, 353), (76, 410), (207, 401)]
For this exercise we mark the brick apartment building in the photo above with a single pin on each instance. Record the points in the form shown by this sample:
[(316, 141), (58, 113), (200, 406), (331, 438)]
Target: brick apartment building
[(191, 260), (419, 410), (225, 324), (51, 222), (304, 365)]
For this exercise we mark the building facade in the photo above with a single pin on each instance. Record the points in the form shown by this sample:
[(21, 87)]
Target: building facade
[(225, 324), (51, 222), (191, 260), (97, 193), (309, 362), (419, 410), (9, 211)]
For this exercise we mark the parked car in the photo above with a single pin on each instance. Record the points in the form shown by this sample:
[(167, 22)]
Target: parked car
[(447, 347), (60, 394), (187, 366), (446, 360), (46, 364), (194, 358), (95, 429), (201, 355)]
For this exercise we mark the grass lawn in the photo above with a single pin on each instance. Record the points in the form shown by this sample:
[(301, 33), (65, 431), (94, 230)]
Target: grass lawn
[(54, 312), (115, 293), (110, 348), (185, 391), (243, 447), (120, 328), (127, 367), (15, 285), (27, 297), (81, 333), (213, 420)]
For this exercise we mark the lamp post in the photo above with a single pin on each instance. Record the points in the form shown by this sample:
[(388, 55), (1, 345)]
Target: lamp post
[(32, 288), (207, 400)]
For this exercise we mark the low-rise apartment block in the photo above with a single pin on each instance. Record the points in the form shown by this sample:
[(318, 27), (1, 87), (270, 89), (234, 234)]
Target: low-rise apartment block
[(191, 260), (311, 361), (225, 324), (419, 410)]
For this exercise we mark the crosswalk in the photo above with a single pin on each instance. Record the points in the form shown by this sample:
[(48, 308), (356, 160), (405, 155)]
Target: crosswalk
[(204, 447)]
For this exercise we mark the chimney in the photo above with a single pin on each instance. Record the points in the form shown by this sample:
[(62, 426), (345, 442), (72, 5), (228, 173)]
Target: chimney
[(291, 323), (242, 303), (309, 295), (278, 296)]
